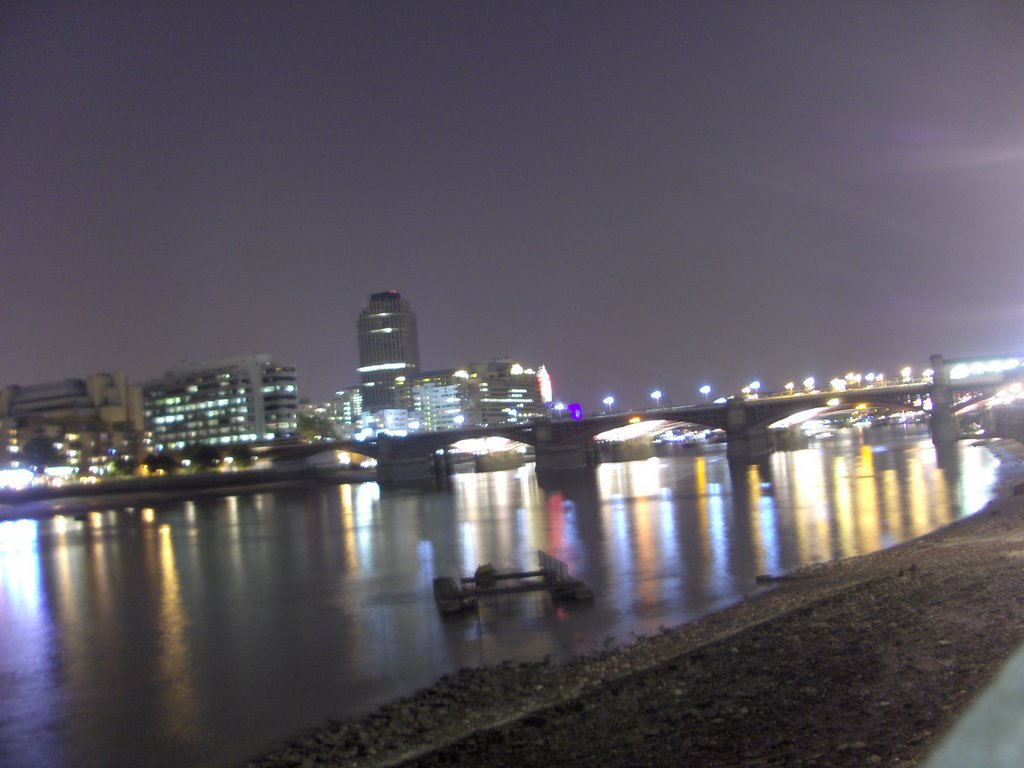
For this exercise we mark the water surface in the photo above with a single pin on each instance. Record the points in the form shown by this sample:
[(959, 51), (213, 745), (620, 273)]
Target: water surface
[(203, 632)]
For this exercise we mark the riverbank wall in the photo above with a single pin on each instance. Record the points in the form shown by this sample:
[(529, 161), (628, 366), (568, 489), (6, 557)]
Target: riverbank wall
[(1006, 421), (202, 483)]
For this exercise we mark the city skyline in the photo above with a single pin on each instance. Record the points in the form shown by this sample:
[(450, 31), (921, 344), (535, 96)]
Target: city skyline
[(641, 198)]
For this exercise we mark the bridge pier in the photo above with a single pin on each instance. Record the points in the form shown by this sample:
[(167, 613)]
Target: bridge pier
[(552, 454), (629, 450), (403, 471), (788, 439), (496, 462), (944, 426), (749, 444), (554, 458), (398, 466), (742, 439)]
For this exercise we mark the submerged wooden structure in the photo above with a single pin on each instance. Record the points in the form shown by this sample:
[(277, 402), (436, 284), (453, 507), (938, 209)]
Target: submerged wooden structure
[(458, 594)]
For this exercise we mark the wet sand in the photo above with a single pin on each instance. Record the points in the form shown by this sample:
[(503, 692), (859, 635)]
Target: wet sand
[(863, 661)]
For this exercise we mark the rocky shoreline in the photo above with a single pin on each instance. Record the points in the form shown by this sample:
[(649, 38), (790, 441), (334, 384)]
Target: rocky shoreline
[(865, 661)]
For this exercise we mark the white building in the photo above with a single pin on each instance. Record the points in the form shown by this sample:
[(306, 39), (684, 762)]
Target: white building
[(442, 400), (345, 411), (496, 392), (240, 399)]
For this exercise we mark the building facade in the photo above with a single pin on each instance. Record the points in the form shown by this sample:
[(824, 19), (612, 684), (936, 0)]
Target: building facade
[(504, 392), (345, 411), (495, 392), (240, 399), (84, 423), (389, 351), (442, 400)]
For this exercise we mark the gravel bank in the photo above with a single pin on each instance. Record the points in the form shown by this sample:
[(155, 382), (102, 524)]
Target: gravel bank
[(865, 661)]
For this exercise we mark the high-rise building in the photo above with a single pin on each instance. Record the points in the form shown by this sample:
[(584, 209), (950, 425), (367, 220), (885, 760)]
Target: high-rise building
[(389, 351), (238, 399)]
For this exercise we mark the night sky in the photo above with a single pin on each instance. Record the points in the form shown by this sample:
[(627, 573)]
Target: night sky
[(637, 195)]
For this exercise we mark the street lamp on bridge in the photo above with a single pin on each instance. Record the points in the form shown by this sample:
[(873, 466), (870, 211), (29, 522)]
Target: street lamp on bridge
[(608, 402), (656, 397), (705, 390)]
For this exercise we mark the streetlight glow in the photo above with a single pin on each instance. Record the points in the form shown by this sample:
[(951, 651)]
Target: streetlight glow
[(608, 402), (656, 396), (705, 390)]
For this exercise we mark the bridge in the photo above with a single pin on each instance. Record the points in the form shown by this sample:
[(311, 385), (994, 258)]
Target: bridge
[(563, 444)]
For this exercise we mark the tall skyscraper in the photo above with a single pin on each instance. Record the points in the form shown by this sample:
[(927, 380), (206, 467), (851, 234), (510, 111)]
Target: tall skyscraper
[(389, 351)]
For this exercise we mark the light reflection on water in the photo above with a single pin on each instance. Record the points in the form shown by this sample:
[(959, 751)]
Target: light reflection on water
[(200, 632)]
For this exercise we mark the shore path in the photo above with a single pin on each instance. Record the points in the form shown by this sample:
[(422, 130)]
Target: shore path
[(858, 662)]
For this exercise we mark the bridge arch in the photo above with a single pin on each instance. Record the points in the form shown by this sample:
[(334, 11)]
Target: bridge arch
[(290, 452), (779, 409), (823, 410)]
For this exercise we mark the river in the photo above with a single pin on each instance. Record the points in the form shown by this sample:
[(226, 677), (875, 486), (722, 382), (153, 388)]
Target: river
[(202, 632)]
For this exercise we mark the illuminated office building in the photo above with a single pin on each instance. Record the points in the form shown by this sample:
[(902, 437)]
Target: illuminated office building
[(443, 400), (504, 392), (496, 392), (345, 410), (389, 351), (240, 399)]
